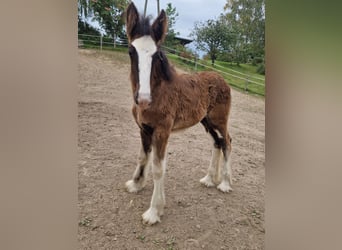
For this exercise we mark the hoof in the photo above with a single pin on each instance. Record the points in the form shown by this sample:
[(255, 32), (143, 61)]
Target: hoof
[(224, 187), (132, 187), (206, 181), (151, 217)]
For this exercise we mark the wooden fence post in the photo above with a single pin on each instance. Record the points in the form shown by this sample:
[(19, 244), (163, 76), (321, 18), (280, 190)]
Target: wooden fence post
[(114, 40), (195, 63), (246, 84), (101, 41)]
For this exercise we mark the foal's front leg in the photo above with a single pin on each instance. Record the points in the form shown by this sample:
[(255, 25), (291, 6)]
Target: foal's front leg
[(152, 215), (141, 171)]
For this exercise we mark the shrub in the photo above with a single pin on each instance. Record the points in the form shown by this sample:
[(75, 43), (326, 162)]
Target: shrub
[(257, 60), (225, 57), (261, 69), (187, 55)]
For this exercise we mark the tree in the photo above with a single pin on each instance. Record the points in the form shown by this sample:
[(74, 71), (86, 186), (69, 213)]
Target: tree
[(82, 13), (108, 13), (234, 49), (211, 36), (247, 17), (172, 15), (83, 7), (85, 28)]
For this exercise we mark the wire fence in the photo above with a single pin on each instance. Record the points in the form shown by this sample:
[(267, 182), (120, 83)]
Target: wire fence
[(101, 42), (247, 82), (203, 63)]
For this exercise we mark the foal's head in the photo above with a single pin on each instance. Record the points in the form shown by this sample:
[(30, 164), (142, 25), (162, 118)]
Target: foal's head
[(144, 50)]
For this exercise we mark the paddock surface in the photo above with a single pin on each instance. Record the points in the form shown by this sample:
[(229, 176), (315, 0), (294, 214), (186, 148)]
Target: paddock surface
[(195, 217)]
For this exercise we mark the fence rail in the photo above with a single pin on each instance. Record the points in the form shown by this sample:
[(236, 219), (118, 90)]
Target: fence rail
[(247, 79), (198, 61), (100, 41), (92, 41)]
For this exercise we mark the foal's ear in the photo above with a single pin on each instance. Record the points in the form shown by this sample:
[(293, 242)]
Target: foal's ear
[(159, 28), (132, 19)]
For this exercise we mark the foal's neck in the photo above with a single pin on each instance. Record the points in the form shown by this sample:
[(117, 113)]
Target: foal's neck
[(164, 71)]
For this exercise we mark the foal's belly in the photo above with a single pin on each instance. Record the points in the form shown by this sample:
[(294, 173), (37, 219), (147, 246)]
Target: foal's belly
[(180, 125), (188, 118), (179, 119)]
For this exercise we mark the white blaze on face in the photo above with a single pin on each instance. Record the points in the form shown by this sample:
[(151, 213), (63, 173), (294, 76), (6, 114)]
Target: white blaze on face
[(145, 48)]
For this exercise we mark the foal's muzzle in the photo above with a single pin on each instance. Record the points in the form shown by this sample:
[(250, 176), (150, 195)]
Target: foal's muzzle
[(142, 99)]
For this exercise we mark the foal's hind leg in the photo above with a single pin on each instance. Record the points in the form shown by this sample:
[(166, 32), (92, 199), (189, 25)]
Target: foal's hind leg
[(217, 129), (141, 171), (226, 170), (212, 174), (213, 170)]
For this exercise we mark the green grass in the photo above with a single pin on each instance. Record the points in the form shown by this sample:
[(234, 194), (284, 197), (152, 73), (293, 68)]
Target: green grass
[(242, 68), (228, 68)]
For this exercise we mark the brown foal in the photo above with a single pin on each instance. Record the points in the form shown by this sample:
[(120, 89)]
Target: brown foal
[(165, 101)]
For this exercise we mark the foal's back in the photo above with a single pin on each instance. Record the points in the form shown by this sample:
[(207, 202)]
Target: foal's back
[(196, 95)]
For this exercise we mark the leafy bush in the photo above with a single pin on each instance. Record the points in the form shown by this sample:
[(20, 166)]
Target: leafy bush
[(257, 60), (261, 69), (186, 54), (225, 57)]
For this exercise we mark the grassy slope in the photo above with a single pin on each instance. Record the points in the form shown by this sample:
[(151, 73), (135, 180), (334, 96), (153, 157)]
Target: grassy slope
[(228, 67)]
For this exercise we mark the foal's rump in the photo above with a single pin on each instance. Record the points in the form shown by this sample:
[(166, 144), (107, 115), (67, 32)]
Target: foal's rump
[(219, 97), (218, 88)]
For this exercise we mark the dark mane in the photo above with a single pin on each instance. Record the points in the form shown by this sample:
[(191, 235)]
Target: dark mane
[(162, 66), (142, 28)]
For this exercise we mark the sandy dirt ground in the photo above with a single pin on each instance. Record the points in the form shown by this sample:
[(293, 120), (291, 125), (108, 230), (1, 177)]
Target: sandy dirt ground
[(195, 217)]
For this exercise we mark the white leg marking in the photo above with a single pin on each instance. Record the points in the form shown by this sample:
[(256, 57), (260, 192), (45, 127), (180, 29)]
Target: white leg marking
[(224, 187), (134, 186), (226, 175), (209, 179), (152, 215)]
